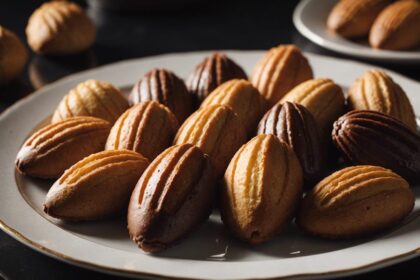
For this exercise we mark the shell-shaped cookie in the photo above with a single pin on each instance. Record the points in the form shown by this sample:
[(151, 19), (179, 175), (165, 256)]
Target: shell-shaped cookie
[(369, 137), (295, 125), (56, 147), (60, 28), (377, 91), (217, 131), (322, 97), (147, 128), (213, 71), (173, 196), (396, 27), (261, 189), (13, 55), (355, 201), (279, 70), (243, 98), (97, 187), (166, 88), (354, 18), (92, 98)]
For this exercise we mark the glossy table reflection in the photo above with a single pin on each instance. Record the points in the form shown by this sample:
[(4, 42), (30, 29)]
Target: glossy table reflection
[(209, 25)]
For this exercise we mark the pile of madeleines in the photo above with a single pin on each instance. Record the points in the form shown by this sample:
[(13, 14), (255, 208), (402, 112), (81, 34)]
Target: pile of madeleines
[(388, 24), (248, 148)]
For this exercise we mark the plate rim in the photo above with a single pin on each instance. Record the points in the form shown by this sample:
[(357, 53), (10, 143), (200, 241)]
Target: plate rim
[(117, 271), (121, 272), (369, 53)]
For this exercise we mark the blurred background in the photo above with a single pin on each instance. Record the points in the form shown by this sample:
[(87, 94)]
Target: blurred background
[(138, 28)]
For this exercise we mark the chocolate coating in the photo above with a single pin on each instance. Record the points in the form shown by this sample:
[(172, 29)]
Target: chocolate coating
[(166, 88), (213, 71), (173, 196), (368, 137), (295, 125)]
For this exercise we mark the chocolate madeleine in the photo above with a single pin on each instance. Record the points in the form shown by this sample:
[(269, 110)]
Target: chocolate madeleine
[(213, 71), (166, 88), (369, 137), (295, 125), (173, 196)]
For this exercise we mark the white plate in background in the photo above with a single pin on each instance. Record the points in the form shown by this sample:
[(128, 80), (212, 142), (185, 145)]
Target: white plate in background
[(310, 18), (209, 253)]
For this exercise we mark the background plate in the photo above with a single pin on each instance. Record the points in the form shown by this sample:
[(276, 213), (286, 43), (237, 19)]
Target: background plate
[(310, 17), (209, 252)]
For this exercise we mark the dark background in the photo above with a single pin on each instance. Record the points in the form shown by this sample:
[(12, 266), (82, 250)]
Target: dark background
[(203, 25)]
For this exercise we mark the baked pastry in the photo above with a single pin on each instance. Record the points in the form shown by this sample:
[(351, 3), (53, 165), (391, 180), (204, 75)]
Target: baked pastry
[(354, 18), (97, 187), (323, 98), (261, 189), (173, 196), (355, 201), (279, 70), (60, 28), (164, 87), (243, 98), (92, 98), (13, 55), (56, 147), (213, 71), (396, 27), (147, 128), (369, 137), (217, 131), (377, 91), (294, 124)]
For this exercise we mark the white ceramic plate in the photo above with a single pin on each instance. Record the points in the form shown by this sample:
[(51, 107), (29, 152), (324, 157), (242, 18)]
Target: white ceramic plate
[(209, 252), (310, 17)]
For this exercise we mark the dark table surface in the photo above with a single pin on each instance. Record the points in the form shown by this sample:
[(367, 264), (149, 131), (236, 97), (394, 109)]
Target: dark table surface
[(210, 25)]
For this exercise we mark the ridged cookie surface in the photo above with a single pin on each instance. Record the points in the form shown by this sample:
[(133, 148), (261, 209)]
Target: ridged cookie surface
[(99, 186), (173, 196), (279, 70), (147, 128), (217, 131), (261, 189), (356, 201), (56, 147), (92, 98)]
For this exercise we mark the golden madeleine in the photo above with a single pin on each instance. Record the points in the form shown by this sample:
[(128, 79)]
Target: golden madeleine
[(323, 98), (60, 28), (56, 147), (279, 70), (376, 91), (354, 202), (13, 55), (147, 128), (261, 189), (243, 98), (92, 98), (217, 131), (99, 186)]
